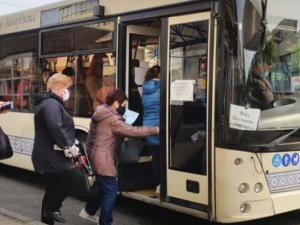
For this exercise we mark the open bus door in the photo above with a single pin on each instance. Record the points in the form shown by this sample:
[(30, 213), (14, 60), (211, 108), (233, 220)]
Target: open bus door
[(142, 52), (187, 105), (184, 52)]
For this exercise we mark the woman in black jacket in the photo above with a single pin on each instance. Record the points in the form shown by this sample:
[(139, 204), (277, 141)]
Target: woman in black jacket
[(54, 147)]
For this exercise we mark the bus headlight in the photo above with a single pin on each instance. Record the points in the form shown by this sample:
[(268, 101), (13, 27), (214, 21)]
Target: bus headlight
[(258, 187), (243, 188), (244, 208)]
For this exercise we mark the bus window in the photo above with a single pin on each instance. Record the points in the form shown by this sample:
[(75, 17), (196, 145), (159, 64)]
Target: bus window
[(5, 80), (89, 79), (18, 81), (188, 54), (90, 37)]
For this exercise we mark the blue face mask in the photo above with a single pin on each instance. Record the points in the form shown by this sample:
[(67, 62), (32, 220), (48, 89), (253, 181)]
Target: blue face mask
[(121, 110), (265, 74)]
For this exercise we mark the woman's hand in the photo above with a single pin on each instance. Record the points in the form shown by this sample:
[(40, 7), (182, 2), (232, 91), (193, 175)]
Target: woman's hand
[(72, 151)]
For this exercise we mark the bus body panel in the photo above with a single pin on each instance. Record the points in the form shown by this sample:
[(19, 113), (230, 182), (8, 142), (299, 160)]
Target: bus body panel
[(229, 177), (28, 19), (19, 160), (22, 138), (177, 187), (132, 5), (286, 201), (283, 177)]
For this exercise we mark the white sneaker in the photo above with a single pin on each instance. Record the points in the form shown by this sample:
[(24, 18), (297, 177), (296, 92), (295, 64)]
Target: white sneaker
[(83, 214)]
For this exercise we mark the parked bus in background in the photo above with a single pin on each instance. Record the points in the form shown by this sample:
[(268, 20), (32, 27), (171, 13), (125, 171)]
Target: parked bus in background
[(230, 81)]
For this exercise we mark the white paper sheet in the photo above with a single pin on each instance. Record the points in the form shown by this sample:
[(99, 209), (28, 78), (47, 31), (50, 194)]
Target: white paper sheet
[(130, 116), (182, 90), (242, 118)]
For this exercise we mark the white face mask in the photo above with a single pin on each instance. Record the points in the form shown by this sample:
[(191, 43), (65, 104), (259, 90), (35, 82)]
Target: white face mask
[(66, 95)]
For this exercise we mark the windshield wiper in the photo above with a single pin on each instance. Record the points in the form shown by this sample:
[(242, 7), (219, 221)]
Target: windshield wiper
[(277, 141)]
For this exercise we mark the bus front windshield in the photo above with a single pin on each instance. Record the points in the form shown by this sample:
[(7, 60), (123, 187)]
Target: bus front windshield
[(261, 89)]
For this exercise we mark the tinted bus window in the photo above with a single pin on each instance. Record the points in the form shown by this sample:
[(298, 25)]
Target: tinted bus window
[(96, 36), (55, 42), (89, 37), (18, 44)]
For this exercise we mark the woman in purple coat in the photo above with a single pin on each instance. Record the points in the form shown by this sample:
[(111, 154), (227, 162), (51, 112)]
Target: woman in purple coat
[(107, 131)]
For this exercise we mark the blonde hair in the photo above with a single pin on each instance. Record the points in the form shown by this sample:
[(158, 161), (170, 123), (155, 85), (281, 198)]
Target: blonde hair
[(58, 78)]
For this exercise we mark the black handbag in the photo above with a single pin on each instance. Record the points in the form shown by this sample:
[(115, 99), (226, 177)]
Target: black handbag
[(5, 147), (130, 151)]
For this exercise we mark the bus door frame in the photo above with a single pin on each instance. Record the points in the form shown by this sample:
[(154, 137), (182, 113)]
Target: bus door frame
[(209, 208), (164, 14)]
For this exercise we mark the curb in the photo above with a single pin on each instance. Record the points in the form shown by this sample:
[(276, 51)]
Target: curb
[(16, 216)]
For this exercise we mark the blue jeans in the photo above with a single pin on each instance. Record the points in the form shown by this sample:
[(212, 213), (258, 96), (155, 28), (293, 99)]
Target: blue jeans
[(104, 196)]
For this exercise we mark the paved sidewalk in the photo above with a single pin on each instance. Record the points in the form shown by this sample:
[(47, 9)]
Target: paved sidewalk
[(11, 218)]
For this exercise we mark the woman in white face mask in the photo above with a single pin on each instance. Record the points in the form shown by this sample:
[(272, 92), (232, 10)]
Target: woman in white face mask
[(54, 147)]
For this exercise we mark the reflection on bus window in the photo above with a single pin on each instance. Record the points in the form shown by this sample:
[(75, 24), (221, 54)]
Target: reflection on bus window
[(92, 75), (18, 81)]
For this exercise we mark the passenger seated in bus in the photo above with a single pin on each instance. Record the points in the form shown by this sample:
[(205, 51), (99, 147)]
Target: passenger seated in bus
[(97, 85), (151, 109), (259, 87)]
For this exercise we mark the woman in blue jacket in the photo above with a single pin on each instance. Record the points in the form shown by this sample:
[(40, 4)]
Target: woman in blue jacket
[(151, 108)]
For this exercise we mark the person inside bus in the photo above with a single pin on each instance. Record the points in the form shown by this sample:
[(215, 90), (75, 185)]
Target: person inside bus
[(97, 85), (54, 147), (260, 93), (151, 117), (70, 72), (107, 131)]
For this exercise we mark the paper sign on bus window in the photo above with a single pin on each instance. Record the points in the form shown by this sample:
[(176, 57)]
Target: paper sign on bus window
[(182, 90), (242, 118)]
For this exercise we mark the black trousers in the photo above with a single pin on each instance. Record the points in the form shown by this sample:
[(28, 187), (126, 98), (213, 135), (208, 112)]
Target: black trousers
[(155, 149), (60, 185)]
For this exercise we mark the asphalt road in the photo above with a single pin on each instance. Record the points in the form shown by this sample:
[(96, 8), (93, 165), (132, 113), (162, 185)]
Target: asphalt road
[(22, 191)]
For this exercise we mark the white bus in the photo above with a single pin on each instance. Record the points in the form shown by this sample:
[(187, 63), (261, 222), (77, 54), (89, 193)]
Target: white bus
[(230, 81)]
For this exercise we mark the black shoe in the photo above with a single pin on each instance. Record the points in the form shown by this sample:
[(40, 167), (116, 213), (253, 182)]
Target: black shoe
[(56, 216)]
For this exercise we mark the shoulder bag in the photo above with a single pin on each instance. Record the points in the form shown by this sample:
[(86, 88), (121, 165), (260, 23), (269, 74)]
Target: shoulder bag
[(5, 147), (130, 151), (83, 164)]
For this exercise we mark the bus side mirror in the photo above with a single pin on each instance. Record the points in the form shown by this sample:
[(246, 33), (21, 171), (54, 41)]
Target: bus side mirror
[(254, 25)]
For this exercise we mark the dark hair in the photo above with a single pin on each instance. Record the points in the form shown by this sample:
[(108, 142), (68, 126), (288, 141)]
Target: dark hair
[(153, 72), (68, 71), (96, 66), (115, 95)]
